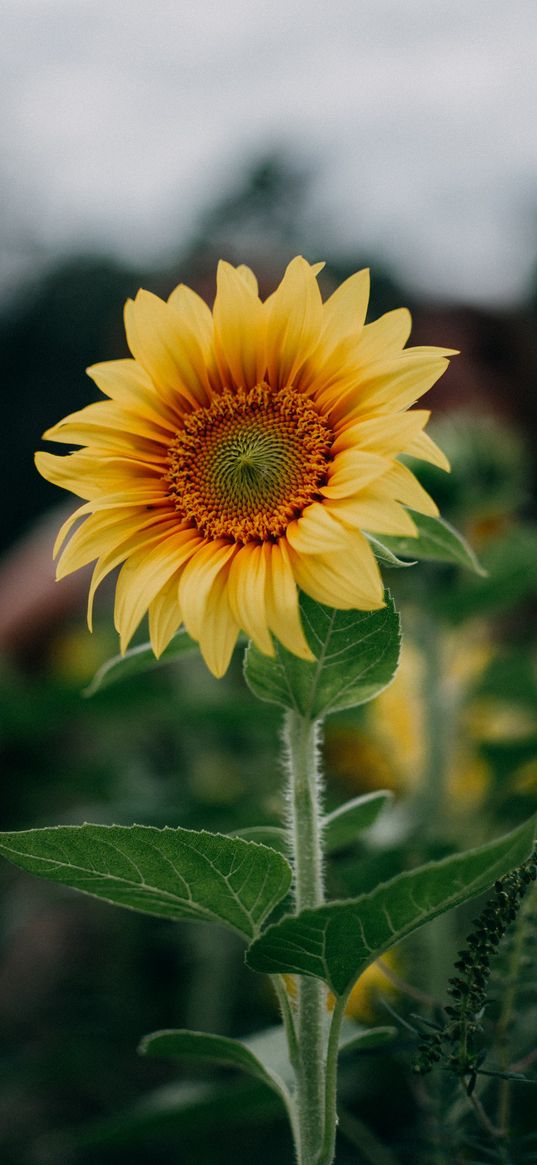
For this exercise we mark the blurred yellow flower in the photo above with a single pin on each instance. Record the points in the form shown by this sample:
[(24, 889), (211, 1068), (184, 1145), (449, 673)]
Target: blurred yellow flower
[(493, 720), (390, 749), (374, 985), (74, 657), (398, 719), (241, 453)]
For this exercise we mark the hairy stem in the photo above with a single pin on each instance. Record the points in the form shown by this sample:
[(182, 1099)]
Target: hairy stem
[(301, 736)]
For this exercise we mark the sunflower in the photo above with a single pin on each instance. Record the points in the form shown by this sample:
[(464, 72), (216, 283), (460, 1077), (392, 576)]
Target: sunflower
[(240, 455)]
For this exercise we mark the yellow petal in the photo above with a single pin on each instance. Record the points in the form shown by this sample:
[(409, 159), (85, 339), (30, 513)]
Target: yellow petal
[(327, 376), (239, 325), (67, 526), (148, 337), (110, 426), (164, 615), (116, 503), (384, 336), (247, 595), (433, 350), (194, 341), (102, 532), (74, 472), (378, 515), (121, 380), (203, 596), (425, 449), (384, 435), (249, 277), (127, 383), (194, 313), (348, 580), (333, 361), (345, 311), (283, 611), (117, 471), (316, 531), (144, 574), (155, 339), (352, 471), (293, 322), (107, 511), (219, 632), (136, 544), (378, 503), (390, 386), (405, 488), (196, 582), (398, 390), (347, 387)]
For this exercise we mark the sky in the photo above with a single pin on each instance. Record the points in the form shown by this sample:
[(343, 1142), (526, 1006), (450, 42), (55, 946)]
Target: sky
[(122, 119)]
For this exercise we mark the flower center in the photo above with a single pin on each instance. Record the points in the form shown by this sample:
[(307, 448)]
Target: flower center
[(245, 467)]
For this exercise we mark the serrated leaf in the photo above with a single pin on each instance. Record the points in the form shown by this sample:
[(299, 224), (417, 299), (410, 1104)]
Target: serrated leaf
[(200, 1047), (171, 873), (357, 653), (437, 541), (338, 941), (138, 660), (344, 824), (271, 835)]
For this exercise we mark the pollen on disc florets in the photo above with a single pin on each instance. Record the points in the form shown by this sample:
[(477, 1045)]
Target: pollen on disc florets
[(243, 468)]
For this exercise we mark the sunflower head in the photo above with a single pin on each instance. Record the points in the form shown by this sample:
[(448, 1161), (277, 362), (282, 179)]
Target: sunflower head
[(241, 453)]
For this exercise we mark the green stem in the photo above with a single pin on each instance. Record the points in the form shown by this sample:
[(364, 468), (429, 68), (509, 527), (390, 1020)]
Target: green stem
[(301, 736), (287, 1017), (328, 1149)]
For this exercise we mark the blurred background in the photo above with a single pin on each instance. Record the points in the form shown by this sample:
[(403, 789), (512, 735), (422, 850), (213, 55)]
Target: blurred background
[(140, 143)]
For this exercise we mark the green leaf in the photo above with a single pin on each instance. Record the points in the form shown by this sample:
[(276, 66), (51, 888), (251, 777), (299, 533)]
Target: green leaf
[(342, 826), (437, 541), (270, 1046), (138, 660), (357, 653), (171, 873), (385, 556), (200, 1047), (356, 1039), (271, 835), (511, 577), (338, 941)]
